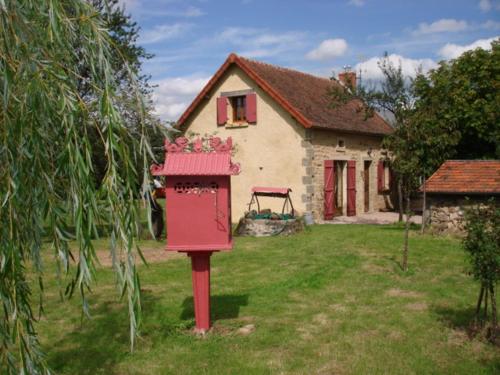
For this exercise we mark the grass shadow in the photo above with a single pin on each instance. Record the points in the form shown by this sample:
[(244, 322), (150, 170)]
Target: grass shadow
[(455, 318), (400, 226), (96, 345), (225, 306)]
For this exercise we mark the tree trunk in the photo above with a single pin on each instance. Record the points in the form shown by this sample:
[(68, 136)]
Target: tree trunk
[(479, 303), (493, 309), (485, 304), (424, 208), (407, 230), (400, 200)]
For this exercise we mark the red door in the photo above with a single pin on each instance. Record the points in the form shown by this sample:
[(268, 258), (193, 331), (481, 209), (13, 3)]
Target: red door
[(329, 190), (351, 188)]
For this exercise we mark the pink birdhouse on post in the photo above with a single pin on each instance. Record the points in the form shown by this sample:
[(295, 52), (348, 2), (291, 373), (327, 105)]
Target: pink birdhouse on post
[(198, 208)]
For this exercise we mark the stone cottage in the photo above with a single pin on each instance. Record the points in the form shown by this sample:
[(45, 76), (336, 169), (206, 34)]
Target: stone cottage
[(287, 134), (456, 185)]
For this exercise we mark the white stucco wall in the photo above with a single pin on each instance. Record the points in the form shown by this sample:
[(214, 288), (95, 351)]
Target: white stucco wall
[(270, 152)]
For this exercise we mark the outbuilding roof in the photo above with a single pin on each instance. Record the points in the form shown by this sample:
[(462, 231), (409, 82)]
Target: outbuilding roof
[(304, 96), (466, 176)]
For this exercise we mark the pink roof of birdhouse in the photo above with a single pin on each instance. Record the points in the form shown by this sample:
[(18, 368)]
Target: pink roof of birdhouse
[(185, 159)]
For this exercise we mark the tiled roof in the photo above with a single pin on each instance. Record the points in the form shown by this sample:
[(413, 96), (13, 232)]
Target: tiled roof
[(466, 176), (303, 95)]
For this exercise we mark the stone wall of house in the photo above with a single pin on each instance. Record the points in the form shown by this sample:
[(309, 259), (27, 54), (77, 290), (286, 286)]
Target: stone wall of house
[(324, 145), (446, 213)]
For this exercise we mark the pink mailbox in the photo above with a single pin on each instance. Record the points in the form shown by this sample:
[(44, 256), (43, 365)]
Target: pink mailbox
[(198, 208)]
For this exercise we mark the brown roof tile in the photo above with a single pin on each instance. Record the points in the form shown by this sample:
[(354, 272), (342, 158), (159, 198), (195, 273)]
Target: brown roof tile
[(303, 95), (466, 176)]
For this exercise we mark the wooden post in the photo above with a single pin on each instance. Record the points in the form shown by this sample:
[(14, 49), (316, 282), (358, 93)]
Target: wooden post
[(200, 270)]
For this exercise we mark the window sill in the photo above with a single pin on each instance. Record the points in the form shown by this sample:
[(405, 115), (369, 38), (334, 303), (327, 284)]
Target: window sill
[(237, 125), (340, 149)]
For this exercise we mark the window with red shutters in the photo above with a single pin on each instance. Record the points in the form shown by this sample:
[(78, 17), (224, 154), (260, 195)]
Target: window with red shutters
[(242, 108)]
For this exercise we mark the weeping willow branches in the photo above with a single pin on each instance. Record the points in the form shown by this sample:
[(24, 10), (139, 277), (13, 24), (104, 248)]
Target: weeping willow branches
[(47, 182)]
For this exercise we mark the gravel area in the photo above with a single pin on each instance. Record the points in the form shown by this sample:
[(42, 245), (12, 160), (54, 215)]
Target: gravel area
[(378, 218)]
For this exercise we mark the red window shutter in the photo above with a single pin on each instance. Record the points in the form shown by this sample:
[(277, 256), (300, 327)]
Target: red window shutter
[(380, 176), (251, 108), (329, 190), (221, 110), (351, 188), (391, 178)]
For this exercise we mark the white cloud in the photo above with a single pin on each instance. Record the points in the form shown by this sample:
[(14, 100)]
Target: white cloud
[(356, 3), (163, 32), (328, 49), (490, 25), (173, 95), (254, 42), (128, 4), (441, 26), (370, 69), (452, 51), (193, 12), (487, 5), (189, 12)]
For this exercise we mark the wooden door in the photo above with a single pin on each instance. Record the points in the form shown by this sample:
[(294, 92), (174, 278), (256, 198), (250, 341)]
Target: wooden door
[(329, 190), (366, 176), (351, 188)]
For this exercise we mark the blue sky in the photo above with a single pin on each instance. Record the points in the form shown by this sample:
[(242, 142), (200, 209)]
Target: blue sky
[(191, 38)]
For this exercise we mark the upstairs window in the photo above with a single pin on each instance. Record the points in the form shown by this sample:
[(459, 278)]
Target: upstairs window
[(239, 108), (239, 105)]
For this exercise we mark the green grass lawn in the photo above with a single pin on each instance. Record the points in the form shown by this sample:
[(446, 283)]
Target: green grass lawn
[(331, 300)]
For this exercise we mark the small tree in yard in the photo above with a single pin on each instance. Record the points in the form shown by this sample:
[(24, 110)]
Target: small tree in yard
[(414, 145), (482, 244)]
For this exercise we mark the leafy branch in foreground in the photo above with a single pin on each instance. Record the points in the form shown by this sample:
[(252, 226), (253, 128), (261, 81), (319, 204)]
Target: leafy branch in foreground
[(47, 181)]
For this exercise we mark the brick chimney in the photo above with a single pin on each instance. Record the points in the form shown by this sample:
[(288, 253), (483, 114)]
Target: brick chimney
[(348, 79)]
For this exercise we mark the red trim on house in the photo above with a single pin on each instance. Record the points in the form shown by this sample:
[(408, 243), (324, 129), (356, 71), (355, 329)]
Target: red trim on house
[(204, 91), (234, 59)]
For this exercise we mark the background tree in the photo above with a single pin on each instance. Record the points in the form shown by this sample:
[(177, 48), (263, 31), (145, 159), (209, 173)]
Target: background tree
[(458, 107), (123, 33), (463, 97), (482, 244), (47, 178)]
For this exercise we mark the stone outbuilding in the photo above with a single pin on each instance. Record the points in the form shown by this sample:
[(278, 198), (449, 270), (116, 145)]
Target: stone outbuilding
[(457, 185), (287, 134)]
